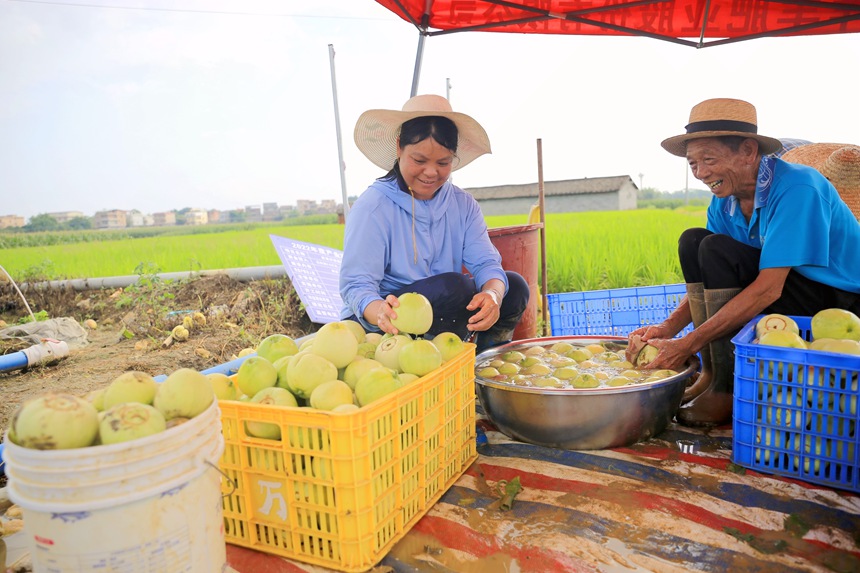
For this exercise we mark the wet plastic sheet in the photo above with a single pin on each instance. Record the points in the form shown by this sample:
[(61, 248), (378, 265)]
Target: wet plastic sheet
[(65, 329), (672, 503)]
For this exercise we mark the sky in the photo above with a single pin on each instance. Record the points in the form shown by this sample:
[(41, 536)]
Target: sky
[(218, 104)]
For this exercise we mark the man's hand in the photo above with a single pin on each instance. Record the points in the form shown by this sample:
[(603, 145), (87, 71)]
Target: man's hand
[(637, 339), (673, 355), (635, 344)]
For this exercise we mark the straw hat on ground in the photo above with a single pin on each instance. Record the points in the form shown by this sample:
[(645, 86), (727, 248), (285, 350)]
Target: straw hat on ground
[(839, 162), (377, 131), (718, 117)]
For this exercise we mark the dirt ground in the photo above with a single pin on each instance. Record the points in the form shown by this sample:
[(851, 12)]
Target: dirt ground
[(131, 325)]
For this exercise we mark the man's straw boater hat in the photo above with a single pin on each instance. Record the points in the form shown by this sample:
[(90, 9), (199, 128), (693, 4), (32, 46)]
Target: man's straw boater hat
[(718, 117), (377, 131), (839, 162)]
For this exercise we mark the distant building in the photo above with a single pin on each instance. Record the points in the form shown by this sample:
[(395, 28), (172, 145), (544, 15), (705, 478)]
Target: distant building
[(285, 211), (196, 217), (214, 216), (165, 219), (305, 206), (135, 218), (11, 221), (113, 219), (270, 212), (65, 216), (617, 193), (328, 206), (232, 216), (253, 214)]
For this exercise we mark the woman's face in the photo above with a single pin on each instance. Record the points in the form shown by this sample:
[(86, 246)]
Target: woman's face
[(425, 166)]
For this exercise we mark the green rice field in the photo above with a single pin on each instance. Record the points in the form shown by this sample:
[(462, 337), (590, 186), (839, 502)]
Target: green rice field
[(584, 251)]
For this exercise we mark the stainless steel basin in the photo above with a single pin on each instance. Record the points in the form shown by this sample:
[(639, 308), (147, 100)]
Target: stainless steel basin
[(579, 419)]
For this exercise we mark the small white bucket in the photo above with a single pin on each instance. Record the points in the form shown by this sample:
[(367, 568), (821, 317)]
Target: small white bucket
[(146, 506)]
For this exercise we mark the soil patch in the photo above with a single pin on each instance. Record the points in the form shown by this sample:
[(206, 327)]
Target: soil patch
[(131, 325)]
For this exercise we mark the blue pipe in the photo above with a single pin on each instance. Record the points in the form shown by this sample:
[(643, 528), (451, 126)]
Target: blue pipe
[(13, 361), (228, 368)]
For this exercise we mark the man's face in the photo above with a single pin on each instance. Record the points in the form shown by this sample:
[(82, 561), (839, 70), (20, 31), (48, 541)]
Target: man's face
[(724, 171)]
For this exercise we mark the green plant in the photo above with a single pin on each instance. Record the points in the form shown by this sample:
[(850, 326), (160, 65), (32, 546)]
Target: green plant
[(40, 316), (39, 272), (150, 295)]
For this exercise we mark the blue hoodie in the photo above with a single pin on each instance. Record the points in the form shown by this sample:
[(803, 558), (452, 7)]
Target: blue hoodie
[(380, 255)]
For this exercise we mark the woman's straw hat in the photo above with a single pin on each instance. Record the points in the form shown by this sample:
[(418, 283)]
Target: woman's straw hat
[(812, 154), (843, 170), (377, 130), (718, 117), (839, 162)]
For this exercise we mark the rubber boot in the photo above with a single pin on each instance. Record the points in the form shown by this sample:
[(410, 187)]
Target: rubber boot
[(696, 300), (714, 405)]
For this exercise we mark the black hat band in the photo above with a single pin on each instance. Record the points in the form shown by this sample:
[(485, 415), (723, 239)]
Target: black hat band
[(722, 125)]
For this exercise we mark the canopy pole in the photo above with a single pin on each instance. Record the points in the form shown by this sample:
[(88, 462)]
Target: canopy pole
[(339, 138), (704, 24), (419, 56), (541, 208)]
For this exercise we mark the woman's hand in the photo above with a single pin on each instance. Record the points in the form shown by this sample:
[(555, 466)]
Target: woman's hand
[(488, 303), (385, 313)]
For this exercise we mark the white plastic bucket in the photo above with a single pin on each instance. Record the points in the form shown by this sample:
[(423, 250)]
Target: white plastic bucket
[(146, 506)]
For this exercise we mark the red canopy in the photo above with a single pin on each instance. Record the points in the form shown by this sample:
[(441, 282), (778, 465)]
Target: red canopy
[(676, 21)]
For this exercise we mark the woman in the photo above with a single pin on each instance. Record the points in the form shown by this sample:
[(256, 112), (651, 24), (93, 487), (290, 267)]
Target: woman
[(412, 230)]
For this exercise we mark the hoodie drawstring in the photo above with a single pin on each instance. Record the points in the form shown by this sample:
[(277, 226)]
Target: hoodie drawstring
[(414, 242)]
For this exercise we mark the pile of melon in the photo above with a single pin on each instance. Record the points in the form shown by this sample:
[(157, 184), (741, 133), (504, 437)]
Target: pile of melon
[(341, 368), (832, 330), (132, 406), (566, 365)]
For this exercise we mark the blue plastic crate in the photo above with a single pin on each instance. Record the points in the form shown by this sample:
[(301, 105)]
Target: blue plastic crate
[(796, 411), (614, 312)]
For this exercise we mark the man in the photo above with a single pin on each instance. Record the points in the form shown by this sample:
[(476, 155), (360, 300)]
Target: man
[(778, 240)]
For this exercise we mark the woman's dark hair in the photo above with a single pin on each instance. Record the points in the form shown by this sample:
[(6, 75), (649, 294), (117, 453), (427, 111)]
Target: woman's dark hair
[(413, 131)]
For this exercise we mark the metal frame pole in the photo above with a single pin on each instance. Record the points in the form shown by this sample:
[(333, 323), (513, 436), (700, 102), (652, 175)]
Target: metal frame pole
[(419, 56), (542, 208), (339, 138)]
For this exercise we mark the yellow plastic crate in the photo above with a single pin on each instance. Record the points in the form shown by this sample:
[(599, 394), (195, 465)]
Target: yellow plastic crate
[(339, 490)]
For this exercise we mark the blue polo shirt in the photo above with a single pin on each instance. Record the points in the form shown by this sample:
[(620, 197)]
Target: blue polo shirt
[(798, 221)]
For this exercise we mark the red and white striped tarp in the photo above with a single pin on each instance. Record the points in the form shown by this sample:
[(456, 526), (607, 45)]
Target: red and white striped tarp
[(674, 503)]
